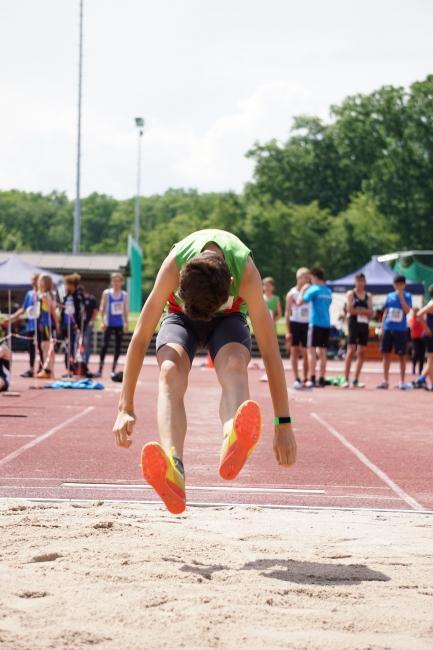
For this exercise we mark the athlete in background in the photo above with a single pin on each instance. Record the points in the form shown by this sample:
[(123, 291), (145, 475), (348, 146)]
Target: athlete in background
[(427, 313), (208, 282), (359, 308), (394, 334), (297, 319), (29, 310), (320, 298), (114, 315)]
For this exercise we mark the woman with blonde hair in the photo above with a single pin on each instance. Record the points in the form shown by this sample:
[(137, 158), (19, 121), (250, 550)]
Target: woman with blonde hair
[(47, 325)]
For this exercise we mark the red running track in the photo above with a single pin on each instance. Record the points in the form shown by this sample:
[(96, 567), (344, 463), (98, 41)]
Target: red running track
[(357, 448)]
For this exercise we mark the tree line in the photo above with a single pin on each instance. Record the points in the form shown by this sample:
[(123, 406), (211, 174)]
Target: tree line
[(333, 194)]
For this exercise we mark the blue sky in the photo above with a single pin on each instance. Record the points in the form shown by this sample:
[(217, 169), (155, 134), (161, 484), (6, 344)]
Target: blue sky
[(209, 76)]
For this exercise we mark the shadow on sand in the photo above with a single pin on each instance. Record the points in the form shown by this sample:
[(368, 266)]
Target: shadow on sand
[(296, 571)]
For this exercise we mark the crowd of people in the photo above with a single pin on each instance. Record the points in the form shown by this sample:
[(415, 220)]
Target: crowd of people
[(67, 320), (70, 322), (308, 327)]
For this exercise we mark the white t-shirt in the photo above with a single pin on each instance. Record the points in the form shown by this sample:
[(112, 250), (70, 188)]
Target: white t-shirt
[(298, 313)]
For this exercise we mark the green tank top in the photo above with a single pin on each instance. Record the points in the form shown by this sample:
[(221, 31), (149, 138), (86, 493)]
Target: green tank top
[(236, 255), (272, 304)]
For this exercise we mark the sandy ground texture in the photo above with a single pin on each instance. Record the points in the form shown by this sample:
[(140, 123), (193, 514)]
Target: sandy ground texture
[(120, 576)]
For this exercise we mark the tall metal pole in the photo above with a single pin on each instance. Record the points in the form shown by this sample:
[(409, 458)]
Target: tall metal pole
[(139, 123), (77, 209)]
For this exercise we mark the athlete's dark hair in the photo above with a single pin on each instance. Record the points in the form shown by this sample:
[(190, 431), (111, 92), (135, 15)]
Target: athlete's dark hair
[(430, 290), (204, 285), (317, 272), (399, 279), (359, 276)]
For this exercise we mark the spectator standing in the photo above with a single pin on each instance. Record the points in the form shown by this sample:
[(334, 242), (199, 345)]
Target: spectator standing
[(114, 314), (427, 314), (395, 330), (320, 298), (416, 327), (73, 318), (47, 326), (297, 319), (90, 316), (359, 308), (29, 309), (271, 299)]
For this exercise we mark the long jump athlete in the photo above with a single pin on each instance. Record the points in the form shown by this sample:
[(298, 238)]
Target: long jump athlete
[(208, 284)]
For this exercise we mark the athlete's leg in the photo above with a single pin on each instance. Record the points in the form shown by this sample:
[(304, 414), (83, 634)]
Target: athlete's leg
[(231, 367), (118, 336), (360, 361), (323, 361), (402, 360), (294, 354), (32, 353), (312, 361), (386, 365), (349, 358), (105, 344), (174, 364)]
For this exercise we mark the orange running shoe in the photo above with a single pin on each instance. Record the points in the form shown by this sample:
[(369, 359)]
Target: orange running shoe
[(160, 471), (240, 442)]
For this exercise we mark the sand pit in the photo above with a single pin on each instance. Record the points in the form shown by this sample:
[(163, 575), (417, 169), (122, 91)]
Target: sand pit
[(129, 577)]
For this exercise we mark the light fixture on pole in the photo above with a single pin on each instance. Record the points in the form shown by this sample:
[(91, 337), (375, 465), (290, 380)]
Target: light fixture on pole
[(77, 209), (139, 123)]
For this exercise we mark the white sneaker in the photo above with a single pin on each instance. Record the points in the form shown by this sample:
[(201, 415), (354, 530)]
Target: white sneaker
[(309, 384), (402, 386), (345, 384), (298, 385)]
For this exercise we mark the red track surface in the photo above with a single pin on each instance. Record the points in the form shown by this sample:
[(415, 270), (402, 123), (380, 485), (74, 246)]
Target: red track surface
[(357, 449)]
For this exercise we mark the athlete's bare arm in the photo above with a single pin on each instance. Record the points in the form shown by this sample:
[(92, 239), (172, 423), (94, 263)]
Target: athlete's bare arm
[(103, 308), (264, 330), (166, 281), (125, 313), (288, 314), (351, 310)]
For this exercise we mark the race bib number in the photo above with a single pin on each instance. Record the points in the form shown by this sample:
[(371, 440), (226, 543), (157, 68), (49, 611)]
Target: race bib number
[(117, 308), (395, 315), (362, 319), (33, 311), (305, 312), (69, 308)]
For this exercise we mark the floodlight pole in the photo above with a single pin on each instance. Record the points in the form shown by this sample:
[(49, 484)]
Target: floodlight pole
[(139, 123), (77, 209)]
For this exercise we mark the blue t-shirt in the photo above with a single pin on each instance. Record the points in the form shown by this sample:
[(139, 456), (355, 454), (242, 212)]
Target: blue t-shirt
[(30, 300), (320, 297), (395, 319)]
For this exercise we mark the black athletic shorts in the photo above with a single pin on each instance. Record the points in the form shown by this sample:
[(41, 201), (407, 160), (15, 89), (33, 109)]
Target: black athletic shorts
[(211, 335), (428, 340), (299, 332), (358, 334), (394, 340), (318, 337)]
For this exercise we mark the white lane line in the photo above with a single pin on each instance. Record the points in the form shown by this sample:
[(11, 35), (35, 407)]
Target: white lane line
[(371, 466), (204, 488), (18, 435), (117, 488), (197, 504), (44, 436)]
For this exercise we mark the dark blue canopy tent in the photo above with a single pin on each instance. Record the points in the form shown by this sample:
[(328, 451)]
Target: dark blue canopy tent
[(379, 278)]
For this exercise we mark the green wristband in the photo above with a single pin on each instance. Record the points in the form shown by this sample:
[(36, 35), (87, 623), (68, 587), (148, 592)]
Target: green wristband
[(282, 420)]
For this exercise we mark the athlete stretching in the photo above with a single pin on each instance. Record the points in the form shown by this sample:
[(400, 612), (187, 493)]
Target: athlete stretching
[(209, 281)]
